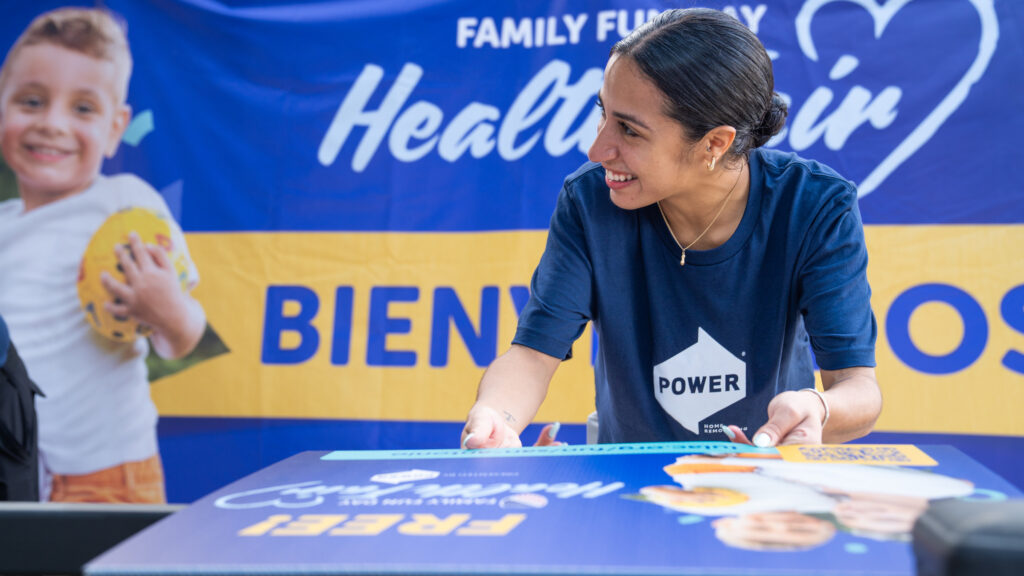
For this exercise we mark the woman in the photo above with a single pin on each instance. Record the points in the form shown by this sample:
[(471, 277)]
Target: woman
[(704, 262)]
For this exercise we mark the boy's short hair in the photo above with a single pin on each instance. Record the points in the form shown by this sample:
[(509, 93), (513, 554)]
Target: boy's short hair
[(94, 32)]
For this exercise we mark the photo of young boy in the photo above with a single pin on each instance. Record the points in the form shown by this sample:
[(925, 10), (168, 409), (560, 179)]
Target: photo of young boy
[(762, 502), (63, 110)]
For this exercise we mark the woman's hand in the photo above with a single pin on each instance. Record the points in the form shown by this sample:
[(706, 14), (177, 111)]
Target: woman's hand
[(511, 391), (854, 402), (548, 434), (794, 416), (487, 428)]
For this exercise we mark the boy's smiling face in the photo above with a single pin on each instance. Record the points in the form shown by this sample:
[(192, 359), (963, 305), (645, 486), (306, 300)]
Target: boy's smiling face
[(60, 114)]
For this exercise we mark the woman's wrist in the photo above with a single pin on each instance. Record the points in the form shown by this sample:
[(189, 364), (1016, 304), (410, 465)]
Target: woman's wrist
[(824, 404)]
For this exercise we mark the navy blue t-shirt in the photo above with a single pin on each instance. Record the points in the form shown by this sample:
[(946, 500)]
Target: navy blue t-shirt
[(684, 350)]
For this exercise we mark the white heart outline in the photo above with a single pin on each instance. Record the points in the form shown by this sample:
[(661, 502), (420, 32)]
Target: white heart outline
[(949, 104)]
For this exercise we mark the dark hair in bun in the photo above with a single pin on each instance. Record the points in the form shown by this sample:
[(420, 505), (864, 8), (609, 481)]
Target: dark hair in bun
[(713, 71)]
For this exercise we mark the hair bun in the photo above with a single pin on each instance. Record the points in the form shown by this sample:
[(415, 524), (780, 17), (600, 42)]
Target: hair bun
[(772, 122)]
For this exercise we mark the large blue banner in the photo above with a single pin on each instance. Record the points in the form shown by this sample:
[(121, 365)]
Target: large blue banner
[(335, 116), (365, 189)]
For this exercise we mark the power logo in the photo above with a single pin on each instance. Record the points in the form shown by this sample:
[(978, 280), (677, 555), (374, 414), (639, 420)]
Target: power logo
[(699, 381)]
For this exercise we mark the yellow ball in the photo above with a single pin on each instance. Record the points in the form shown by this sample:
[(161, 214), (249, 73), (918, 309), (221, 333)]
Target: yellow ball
[(100, 257)]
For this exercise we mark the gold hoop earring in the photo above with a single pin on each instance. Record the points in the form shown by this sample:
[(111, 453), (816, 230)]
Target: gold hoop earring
[(711, 165)]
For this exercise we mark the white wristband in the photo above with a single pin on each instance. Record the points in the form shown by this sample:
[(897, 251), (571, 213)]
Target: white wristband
[(823, 403)]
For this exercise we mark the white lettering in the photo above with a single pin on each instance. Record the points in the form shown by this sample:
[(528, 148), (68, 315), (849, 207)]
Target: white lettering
[(549, 95), (591, 490), (473, 128), (752, 17), (618, 20), (464, 30), (415, 130), (352, 113), (487, 33), (516, 33), (525, 32), (461, 490), (301, 495), (623, 28), (421, 121), (856, 109), (538, 31), (578, 98), (553, 37), (469, 130), (525, 112), (312, 493), (605, 24), (575, 26)]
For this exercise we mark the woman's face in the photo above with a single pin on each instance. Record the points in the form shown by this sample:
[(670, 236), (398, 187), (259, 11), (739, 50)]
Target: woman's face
[(645, 154)]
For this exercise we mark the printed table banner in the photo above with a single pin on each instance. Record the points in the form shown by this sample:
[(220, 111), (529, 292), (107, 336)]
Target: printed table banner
[(659, 508), (365, 189)]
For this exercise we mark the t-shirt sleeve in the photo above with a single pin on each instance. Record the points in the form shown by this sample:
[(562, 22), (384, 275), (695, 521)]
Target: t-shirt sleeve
[(561, 289), (835, 297)]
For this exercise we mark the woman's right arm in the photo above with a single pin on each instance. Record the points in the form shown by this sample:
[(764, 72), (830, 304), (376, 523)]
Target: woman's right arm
[(510, 393), (515, 384)]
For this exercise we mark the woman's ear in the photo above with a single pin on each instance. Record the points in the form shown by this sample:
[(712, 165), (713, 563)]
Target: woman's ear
[(718, 140)]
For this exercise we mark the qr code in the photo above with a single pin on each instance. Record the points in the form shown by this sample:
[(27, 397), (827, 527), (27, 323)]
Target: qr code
[(868, 454)]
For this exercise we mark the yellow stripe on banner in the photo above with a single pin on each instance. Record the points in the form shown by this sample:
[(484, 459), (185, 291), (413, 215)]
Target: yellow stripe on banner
[(236, 270), (946, 341), (949, 277)]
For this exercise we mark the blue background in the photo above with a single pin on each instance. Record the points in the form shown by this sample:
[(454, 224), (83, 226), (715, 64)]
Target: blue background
[(242, 93)]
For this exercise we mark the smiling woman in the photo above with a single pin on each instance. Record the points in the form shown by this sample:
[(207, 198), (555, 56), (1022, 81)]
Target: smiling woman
[(706, 263)]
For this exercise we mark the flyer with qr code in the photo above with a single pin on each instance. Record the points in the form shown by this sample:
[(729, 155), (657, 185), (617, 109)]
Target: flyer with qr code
[(657, 508)]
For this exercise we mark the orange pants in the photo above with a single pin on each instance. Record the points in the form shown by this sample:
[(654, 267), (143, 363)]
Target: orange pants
[(139, 482)]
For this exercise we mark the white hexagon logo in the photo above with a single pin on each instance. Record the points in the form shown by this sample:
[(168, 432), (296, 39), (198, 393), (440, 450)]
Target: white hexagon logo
[(699, 381)]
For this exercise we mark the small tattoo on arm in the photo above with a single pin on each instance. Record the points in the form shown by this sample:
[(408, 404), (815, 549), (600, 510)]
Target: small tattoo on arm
[(509, 417)]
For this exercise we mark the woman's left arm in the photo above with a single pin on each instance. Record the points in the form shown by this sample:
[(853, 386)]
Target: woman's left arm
[(846, 410), (854, 401), (835, 301)]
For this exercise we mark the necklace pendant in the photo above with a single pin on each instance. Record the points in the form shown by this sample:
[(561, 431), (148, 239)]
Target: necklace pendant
[(682, 259)]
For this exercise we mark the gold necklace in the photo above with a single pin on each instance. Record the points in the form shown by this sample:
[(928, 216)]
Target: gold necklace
[(682, 259)]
